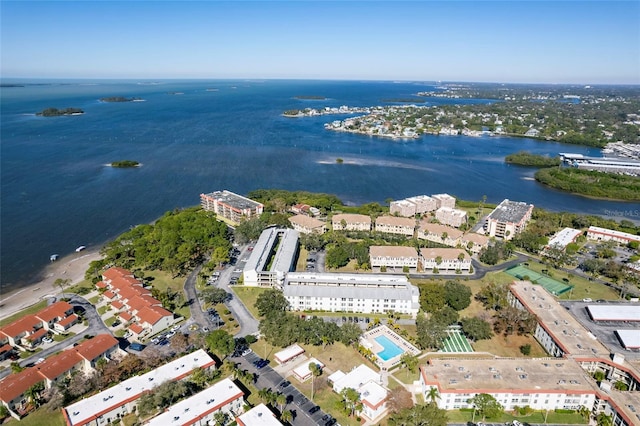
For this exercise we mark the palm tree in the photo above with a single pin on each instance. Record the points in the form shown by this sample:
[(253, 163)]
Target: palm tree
[(433, 394), (264, 394), (584, 412), (315, 372), (286, 416), (281, 400), (33, 394), (220, 418)]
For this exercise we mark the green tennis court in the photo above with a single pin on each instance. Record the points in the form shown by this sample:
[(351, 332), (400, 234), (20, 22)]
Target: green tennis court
[(456, 342), (552, 286)]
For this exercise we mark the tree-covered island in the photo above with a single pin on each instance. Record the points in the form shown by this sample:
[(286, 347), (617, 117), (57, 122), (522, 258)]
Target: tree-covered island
[(123, 164), (591, 183), (525, 158), (55, 112)]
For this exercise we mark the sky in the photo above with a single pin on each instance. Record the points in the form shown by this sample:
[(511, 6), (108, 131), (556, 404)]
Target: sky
[(592, 42)]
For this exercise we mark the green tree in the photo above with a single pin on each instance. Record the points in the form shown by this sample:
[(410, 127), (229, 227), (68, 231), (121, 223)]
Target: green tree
[(270, 302), (337, 257), (487, 405), (476, 328), (525, 349), (61, 283), (430, 333), (457, 295), (433, 395), (350, 333), (351, 401), (221, 418), (220, 255), (34, 394), (287, 416), (315, 372), (419, 415), (220, 342), (432, 297), (214, 295), (410, 362)]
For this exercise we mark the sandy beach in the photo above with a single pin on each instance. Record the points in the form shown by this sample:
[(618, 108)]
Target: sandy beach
[(70, 267)]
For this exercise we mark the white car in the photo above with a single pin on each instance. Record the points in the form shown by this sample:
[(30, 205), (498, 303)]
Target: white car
[(47, 340), (127, 334), (40, 361), (171, 334)]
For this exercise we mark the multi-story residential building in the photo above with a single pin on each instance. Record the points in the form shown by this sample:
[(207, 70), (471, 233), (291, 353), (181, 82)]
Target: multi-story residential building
[(396, 225), (81, 358), (201, 408), (451, 217), (362, 293), (474, 242), (231, 207), (603, 234), (272, 257), (119, 400), (393, 257), (445, 259), (508, 219), (351, 222), (260, 415), (307, 225), (28, 331), (133, 303), (424, 203), (304, 209), (440, 234), (542, 384), (402, 208), (444, 200), (366, 382)]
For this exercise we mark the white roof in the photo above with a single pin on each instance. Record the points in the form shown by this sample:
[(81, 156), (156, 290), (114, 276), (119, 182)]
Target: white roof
[(355, 378), (117, 395), (630, 338), (187, 411), (564, 237), (612, 233), (303, 369), (372, 394), (259, 415), (287, 353), (614, 312), (336, 376)]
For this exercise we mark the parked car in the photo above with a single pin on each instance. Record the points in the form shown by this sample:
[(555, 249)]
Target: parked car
[(47, 340), (314, 409), (137, 346), (40, 361)]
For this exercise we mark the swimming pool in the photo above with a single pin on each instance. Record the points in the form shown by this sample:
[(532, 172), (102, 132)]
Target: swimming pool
[(391, 350)]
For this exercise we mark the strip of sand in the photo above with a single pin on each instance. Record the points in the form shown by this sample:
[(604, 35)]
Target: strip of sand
[(72, 267)]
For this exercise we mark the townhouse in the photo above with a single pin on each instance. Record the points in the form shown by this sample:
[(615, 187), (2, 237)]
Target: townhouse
[(396, 225), (445, 259), (438, 233), (474, 242), (351, 222), (393, 257), (82, 357), (260, 415), (444, 200)]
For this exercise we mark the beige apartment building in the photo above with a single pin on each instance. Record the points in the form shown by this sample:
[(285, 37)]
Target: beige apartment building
[(445, 259), (440, 234), (393, 257), (351, 222), (444, 200), (508, 219), (474, 242), (230, 207), (451, 217), (396, 225), (307, 225)]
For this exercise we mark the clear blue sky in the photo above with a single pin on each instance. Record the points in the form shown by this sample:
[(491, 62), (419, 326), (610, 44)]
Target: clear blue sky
[(507, 41)]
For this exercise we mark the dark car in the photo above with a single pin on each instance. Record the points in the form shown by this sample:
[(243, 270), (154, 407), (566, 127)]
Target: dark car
[(331, 422), (314, 409), (285, 384), (326, 417)]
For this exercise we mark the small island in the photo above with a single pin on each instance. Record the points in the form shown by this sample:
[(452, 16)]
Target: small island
[(55, 112), (525, 158), (311, 97), (125, 164), (120, 99), (591, 183)]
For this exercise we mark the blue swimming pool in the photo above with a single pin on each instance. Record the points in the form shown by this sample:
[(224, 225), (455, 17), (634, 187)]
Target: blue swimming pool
[(391, 350)]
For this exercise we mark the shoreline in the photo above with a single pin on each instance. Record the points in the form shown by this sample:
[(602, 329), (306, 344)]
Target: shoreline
[(72, 266)]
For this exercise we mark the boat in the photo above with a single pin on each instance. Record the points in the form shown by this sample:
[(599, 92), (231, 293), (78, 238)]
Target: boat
[(53, 257), (79, 249)]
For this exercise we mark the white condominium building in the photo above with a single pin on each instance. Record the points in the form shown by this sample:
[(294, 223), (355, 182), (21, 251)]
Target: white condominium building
[(508, 219), (266, 268), (361, 293)]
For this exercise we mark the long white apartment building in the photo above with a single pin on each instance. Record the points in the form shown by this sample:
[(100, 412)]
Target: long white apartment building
[(604, 234), (272, 257), (361, 293), (542, 384), (117, 401), (201, 408)]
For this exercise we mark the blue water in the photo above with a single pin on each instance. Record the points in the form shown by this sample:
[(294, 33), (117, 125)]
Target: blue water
[(57, 193), (391, 350)]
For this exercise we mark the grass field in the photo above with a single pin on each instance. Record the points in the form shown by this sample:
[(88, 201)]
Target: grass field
[(458, 416), (30, 310), (456, 342), (163, 281), (249, 296), (40, 417)]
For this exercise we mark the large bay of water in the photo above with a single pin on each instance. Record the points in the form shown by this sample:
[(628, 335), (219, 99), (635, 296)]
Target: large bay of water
[(58, 194)]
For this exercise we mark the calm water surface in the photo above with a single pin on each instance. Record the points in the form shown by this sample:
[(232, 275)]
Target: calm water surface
[(58, 194)]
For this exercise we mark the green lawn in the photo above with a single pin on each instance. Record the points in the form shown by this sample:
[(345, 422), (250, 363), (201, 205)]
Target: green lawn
[(94, 300), (163, 281), (40, 417), (248, 296), (458, 416), (102, 310), (28, 311)]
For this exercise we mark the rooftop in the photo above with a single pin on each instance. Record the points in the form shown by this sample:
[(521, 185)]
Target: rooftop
[(396, 221), (234, 200), (306, 221), (444, 253), (260, 415), (351, 218), (615, 312), (510, 211), (564, 237), (393, 251)]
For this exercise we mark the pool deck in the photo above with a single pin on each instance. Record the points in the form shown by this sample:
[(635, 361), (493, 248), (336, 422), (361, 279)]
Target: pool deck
[(368, 341)]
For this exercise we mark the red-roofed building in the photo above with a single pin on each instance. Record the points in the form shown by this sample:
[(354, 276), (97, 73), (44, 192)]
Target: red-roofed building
[(5, 351), (117, 305), (136, 329), (155, 318), (20, 328), (54, 313), (67, 323), (125, 316), (82, 357), (101, 285), (109, 295)]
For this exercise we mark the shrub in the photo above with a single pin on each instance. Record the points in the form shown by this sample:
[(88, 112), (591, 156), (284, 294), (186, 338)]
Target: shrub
[(525, 349)]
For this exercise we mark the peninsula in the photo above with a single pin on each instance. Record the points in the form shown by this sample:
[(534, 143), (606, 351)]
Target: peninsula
[(54, 112)]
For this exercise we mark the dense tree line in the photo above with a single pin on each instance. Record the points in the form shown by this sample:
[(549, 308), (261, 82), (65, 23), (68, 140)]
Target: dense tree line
[(525, 158), (278, 200), (497, 251), (177, 242), (591, 183), (507, 319)]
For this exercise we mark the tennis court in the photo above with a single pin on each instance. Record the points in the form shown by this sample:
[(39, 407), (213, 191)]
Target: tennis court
[(456, 342), (552, 286)]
